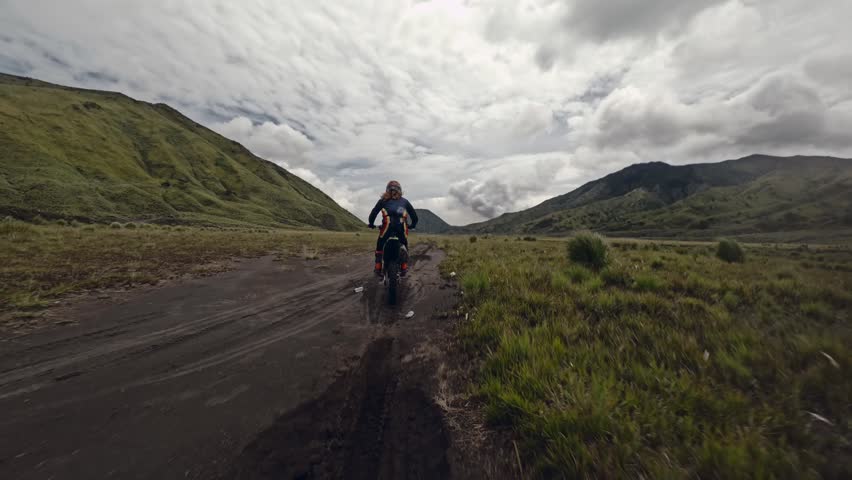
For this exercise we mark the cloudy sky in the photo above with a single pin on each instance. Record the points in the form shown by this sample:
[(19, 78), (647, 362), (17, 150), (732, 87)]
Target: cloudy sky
[(478, 107)]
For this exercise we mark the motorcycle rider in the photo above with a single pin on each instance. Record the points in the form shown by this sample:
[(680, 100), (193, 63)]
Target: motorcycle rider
[(395, 211)]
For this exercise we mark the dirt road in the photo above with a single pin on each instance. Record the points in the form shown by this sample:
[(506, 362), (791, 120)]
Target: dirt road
[(272, 370)]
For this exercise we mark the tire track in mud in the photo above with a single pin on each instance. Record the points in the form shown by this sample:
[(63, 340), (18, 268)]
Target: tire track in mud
[(377, 421), (368, 425), (286, 307), (413, 290)]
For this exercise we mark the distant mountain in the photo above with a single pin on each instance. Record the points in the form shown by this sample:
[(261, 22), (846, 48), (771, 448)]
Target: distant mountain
[(429, 222), (751, 196), (102, 156)]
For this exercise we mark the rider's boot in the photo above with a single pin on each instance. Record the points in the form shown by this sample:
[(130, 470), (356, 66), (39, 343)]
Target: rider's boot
[(378, 268), (403, 267)]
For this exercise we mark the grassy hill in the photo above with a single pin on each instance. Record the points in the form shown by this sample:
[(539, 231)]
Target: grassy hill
[(429, 222), (758, 196), (102, 156)]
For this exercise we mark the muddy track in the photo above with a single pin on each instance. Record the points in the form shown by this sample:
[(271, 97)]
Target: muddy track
[(273, 370), (381, 428)]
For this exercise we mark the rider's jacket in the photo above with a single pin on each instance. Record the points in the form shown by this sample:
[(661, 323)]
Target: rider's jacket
[(394, 212)]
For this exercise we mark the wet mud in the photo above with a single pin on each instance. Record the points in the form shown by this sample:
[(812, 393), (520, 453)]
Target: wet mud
[(272, 370)]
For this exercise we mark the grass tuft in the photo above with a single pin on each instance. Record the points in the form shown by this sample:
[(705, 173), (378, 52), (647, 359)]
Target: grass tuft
[(588, 249), (730, 251)]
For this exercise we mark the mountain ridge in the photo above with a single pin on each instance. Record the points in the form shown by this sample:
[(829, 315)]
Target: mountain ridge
[(103, 156), (659, 199), (430, 222)]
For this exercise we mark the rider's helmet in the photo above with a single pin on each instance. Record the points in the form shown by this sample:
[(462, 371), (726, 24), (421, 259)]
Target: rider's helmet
[(393, 186)]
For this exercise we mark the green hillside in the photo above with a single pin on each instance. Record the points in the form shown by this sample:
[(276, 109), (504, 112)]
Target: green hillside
[(796, 198), (429, 222), (102, 156)]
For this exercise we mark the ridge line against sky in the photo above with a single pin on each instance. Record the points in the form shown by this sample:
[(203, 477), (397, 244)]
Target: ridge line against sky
[(477, 107)]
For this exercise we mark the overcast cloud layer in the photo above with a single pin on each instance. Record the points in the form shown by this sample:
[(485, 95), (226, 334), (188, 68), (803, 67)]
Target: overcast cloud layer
[(477, 107)]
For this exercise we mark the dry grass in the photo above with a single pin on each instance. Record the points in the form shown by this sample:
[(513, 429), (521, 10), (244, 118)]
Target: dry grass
[(40, 263)]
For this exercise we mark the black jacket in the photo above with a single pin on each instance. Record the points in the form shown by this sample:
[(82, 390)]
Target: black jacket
[(395, 210)]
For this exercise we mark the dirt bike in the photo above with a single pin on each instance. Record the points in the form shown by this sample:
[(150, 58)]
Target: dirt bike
[(395, 254)]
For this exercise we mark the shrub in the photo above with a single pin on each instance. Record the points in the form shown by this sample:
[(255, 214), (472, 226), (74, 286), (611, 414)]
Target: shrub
[(130, 225), (529, 239), (114, 225), (588, 249), (657, 264), (62, 222), (39, 220), (730, 251), (473, 239)]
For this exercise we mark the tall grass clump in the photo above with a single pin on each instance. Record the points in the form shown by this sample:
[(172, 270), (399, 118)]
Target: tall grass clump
[(589, 249), (476, 284), (11, 227), (730, 251)]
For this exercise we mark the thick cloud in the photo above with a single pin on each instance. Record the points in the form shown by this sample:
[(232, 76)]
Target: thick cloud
[(278, 143), (487, 199), (477, 107), (622, 18)]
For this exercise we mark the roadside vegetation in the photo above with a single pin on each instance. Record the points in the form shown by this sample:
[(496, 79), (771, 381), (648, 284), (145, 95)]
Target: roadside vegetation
[(639, 359), (41, 263)]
